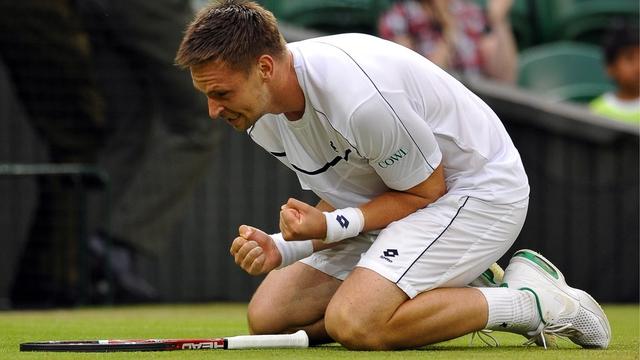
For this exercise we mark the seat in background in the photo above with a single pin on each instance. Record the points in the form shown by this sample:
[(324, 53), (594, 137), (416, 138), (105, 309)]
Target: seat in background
[(330, 16), (564, 71), (581, 20)]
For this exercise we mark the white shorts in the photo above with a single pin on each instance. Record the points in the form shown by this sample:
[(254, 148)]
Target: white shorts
[(447, 244)]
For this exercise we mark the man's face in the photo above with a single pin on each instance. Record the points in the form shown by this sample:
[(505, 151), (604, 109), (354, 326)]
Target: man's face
[(237, 97), (625, 70)]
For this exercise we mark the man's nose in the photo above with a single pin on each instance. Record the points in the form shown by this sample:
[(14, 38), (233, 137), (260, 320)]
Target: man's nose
[(215, 109)]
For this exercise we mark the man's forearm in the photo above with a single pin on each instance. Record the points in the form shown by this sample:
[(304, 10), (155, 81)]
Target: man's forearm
[(389, 207), (380, 211), (395, 205), (300, 221)]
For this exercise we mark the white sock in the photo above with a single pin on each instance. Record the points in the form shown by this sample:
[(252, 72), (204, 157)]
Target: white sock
[(511, 310)]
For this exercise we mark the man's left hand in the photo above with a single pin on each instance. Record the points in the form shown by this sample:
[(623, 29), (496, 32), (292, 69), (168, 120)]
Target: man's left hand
[(301, 221)]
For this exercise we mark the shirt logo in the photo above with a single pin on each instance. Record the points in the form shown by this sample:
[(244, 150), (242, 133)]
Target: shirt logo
[(393, 159)]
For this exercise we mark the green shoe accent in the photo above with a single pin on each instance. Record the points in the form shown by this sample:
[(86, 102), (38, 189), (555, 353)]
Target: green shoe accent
[(504, 285), (538, 261), (537, 303), (488, 274)]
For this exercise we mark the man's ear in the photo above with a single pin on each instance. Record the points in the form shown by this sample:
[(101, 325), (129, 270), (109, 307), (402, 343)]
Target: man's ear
[(266, 67)]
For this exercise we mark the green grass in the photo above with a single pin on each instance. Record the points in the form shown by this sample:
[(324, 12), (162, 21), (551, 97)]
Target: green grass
[(217, 320)]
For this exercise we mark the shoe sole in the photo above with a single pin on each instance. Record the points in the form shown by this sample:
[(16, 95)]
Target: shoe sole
[(545, 267), (494, 274), (492, 277)]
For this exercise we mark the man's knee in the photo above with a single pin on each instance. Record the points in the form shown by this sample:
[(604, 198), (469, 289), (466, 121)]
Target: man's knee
[(261, 317), (352, 331)]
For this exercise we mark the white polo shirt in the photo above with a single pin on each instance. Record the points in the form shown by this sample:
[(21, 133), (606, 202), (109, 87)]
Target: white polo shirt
[(379, 116)]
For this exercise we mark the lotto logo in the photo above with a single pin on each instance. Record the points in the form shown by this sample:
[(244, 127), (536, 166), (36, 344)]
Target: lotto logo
[(391, 252), (342, 221)]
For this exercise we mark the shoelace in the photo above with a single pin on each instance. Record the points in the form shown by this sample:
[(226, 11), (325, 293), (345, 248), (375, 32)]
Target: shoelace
[(559, 330), (486, 337)]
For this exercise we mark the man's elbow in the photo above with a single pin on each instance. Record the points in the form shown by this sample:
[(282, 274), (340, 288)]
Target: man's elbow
[(435, 193)]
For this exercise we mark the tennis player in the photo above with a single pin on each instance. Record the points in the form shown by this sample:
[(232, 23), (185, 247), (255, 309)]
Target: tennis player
[(422, 190)]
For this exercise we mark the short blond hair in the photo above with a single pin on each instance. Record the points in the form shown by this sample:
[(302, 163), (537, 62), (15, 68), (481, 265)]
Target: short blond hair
[(235, 32)]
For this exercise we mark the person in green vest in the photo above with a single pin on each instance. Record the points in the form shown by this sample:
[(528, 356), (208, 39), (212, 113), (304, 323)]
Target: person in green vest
[(622, 55)]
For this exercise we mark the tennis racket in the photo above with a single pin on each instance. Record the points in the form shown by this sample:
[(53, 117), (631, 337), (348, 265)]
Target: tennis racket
[(296, 340)]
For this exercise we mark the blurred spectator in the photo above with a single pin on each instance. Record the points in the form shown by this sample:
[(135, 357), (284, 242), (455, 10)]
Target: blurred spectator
[(456, 35), (160, 140), (53, 77), (98, 82), (622, 57)]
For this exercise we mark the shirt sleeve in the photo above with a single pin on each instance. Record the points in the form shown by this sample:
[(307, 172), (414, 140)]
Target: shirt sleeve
[(397, 142)]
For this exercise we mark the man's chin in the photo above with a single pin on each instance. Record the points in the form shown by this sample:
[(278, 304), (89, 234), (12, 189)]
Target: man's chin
[(242, 126), (240, 129), (237, 124)]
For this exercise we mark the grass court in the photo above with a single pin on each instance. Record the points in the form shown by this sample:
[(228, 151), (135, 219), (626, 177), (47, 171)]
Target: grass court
[(224, 319)]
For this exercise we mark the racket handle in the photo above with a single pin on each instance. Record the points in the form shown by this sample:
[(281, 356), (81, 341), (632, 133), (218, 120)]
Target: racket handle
[(296, 340)]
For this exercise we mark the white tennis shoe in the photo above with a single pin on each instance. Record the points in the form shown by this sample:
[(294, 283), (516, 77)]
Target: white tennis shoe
[(564, 311)]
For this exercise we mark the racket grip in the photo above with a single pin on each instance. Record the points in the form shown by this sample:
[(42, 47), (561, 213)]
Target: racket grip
[(296, 340)]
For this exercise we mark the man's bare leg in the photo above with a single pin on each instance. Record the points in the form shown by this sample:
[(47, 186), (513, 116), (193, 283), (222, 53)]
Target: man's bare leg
[(291, 299), (368, 312)]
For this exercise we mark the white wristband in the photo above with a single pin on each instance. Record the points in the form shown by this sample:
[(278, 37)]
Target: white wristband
[(291, 251), (343, 224)]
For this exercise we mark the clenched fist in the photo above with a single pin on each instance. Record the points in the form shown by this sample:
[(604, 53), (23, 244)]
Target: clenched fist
[(299, 221), (255, 251)]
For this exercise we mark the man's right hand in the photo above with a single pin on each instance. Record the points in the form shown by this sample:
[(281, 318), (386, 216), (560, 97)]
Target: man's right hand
[(255, 251)]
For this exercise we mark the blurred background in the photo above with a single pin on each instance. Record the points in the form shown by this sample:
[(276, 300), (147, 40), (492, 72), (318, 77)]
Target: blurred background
[(115, 187)]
